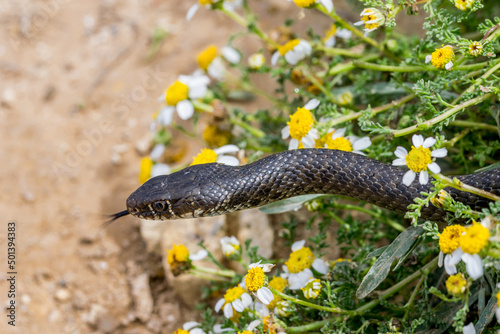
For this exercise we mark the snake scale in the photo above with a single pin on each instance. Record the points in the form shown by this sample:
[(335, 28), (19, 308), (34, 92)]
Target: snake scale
[(215, 189)]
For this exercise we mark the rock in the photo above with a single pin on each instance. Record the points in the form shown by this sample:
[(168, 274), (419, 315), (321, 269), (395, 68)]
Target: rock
[(170, 314), (92, 316), (151, 232), (62, 295), (154, 324), (79, 300), (209, 230), (144, 144), (143, 300)]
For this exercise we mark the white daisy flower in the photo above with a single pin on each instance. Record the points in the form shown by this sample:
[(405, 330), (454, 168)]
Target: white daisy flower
[(328, 4), (331, 35), (256, 281), (419, 160), (293, 51), (179, 96), (300, 127), (469, 329), (217, 155), (235, 299), (297, 270), (193, 327), (230, 246), (338, 141), (228, 5), (372, 19)]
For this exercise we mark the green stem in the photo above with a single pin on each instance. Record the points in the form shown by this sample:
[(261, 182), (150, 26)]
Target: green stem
[(420, 68), (243, 22), (395, 288), (442, 117), (484, 76), (318, 84), (307, 304), (337, 51), (250, 87), (346, 67), (475, 125), (375, 111), (309, 327), (207, 277), (457, 184), (413, 297), (355, 31), (393, 224), (252, 130), (213, 271)]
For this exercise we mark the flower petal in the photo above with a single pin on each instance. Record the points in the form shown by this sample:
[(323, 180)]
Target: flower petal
[(165, 116), (274, 58), (434, 167), (192, 10), (228, 160), (294, 144), (361, 144), (227, 149), (265, 295), (409, 177), (423, 178), (308, 141), (231, 54), (417, 140), (285, 132), (439, 153), (469, 329), (343, 33), (328, 5), (160, 169), (246, 299), (228, 310), (255, 323), (190, 325), (199, 255), (449, 266), (399, 162), (473, 264), (428, 58), (238, 305), (320, 266), (185, 109), (298, 245), (312, 104), (219, 304), (401, 152), (299, 280), (157, 151), (338, 133), (429, 142)]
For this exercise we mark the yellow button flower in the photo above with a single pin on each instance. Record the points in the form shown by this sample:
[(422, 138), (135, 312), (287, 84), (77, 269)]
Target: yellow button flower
[(442, 57)]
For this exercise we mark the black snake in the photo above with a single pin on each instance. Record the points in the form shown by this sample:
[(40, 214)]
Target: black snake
[(215, 189)]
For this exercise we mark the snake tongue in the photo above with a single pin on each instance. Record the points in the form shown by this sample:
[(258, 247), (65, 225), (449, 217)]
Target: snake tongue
[(114, 217)]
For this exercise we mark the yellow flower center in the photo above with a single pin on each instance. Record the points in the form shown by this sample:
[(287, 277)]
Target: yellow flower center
[(330, 32), (300, 123), (475, 48), (475, 238), (498, 298), (206, 156), (145, 169), (449, 240), (216, 137), (442, 56), (340, 143), (340, 259), (206, 57), (304, 3), (283, 49), (181, 331), (299, 260), (255, 279), (456, 284), (370, 17), (418, 158), (311, 290), (245, 332), (176, 92), (463, 4), (279, 284), (206, 2), (284, 308), (179, 253), (234, 293)]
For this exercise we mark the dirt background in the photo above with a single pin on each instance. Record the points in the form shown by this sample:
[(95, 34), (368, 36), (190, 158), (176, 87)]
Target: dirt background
[(77, 95)]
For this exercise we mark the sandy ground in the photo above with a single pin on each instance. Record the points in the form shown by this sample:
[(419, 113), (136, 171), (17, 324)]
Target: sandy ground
[(77, 94)]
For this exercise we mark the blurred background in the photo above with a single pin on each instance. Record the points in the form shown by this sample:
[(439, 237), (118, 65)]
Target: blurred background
[(80, 82)]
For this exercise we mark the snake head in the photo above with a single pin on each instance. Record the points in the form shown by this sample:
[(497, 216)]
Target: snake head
[(169, 196)]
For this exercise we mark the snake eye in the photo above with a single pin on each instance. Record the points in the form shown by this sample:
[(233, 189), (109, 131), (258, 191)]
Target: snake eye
[(134, 210), (160, 206)]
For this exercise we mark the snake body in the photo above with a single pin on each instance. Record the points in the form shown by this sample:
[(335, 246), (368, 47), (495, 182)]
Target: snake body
[(215, 189)]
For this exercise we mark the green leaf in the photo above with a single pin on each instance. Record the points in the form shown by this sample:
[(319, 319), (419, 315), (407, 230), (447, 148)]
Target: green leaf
[(376, 252), (380, 269), (288, 204), (487, 315)]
